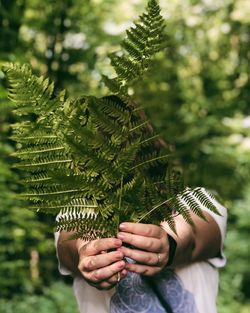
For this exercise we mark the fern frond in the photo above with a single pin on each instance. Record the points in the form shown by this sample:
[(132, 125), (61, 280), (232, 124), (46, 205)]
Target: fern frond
[(87, 228), (206, 199), (113, 84), (143, 40), (179, 205)]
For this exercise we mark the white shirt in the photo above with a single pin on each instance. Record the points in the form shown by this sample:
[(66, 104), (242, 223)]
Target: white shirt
[(189, 289)]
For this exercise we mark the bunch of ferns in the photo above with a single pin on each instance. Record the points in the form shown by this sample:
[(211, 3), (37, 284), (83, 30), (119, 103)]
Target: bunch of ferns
[(95, 162)]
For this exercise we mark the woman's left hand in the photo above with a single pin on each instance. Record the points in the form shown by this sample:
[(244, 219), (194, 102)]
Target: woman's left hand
[(149, 247)]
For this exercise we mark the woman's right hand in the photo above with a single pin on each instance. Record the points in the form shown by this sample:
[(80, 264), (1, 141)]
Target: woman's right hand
[(100, 263)]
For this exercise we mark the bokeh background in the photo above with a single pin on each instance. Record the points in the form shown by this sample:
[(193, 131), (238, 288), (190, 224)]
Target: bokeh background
[(196, 95)]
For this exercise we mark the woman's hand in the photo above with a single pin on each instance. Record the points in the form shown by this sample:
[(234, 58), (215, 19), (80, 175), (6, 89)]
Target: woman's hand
[(149, 247), (100, 263)]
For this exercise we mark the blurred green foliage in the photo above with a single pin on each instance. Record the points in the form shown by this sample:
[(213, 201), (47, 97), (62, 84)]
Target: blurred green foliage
[(22, 234), (58, 298), (197, 96)]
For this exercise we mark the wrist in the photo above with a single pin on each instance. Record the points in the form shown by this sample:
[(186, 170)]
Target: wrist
[(172, 249)]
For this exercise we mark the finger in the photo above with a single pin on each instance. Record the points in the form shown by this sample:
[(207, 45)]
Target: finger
[(147, 230), (97, 246), (91, 263), (104, 273), (144, 257), (143, 269), (141, 242), (102, 285), (111, 282), (117, 277)]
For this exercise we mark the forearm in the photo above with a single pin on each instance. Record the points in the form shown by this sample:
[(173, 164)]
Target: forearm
[(200, 243), (185, 244)]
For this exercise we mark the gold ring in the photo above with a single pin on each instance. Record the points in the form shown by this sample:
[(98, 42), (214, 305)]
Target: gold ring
[(118, 277), (159, 258)]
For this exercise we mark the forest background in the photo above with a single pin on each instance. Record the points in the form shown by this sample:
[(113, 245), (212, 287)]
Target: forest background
[(196, 95)]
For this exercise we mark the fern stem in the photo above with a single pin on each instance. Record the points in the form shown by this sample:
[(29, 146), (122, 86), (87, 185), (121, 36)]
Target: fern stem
[(149, 139), (43, 163), (159, 182), (37, 151), (48, 193), (148, 161), (153, 209), (138, 126), (120, 202), (37, 180), (120, 194), (65, 206), (37, 137)]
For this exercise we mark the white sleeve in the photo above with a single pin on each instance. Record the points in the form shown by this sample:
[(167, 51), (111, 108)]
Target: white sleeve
[(221, 221), (63, 270)]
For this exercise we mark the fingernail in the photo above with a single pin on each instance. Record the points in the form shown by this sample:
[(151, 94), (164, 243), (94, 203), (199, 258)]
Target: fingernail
[(121, 265), (119, 254), (122, 226), (124, 272), (120, 236), (118, 242)]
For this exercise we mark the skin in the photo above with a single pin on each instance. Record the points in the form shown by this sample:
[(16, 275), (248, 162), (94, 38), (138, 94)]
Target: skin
[(101, 262)]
